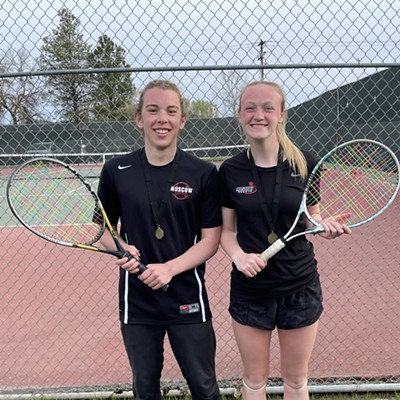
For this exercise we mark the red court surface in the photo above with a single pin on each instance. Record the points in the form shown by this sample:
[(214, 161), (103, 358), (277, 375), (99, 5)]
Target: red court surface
[(59, 314)]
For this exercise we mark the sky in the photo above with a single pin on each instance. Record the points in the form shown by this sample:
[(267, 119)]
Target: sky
[(161, 33)]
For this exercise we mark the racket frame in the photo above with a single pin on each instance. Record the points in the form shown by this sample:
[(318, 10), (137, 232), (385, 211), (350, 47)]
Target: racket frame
[(105, 223), (317, 227)]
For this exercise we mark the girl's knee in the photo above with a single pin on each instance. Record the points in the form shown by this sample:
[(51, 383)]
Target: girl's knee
[(295, 390), (296, 384)]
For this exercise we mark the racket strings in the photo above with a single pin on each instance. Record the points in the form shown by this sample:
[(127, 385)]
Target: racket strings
[(357, 181), (56, 203)]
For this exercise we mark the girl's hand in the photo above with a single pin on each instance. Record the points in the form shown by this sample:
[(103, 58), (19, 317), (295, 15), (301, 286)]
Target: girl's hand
[(334, 226), (249, 264)]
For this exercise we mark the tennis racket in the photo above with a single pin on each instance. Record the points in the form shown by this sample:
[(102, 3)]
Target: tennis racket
[(55, 202), (353, 183)]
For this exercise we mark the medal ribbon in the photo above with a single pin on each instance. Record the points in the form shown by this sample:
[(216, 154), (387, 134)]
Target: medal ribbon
[(270, 216), (158, 209)]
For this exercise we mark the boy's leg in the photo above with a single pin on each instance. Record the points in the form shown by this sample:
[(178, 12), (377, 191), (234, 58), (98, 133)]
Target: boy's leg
[(144, 345), (194, 348)]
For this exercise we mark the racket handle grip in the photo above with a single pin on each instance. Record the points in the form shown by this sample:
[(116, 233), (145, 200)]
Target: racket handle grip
[(272, 250), (142, 268)]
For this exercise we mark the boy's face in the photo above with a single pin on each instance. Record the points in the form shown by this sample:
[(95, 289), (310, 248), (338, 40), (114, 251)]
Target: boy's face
[(161, 117)]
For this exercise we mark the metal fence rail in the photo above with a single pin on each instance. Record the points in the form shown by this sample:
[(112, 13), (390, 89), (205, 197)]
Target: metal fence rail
[(339, 66)]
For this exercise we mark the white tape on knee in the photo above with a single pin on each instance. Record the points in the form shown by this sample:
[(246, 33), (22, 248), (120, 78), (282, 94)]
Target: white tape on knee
[(252, 389)]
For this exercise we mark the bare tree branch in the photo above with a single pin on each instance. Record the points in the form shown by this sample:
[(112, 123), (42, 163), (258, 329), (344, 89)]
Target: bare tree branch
[(19, 97)]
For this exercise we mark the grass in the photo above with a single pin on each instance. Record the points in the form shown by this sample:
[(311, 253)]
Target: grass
[(313, 396), (350, 396), (358, 396)]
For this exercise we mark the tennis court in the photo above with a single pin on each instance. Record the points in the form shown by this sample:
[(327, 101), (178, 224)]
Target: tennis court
[(59, 313)]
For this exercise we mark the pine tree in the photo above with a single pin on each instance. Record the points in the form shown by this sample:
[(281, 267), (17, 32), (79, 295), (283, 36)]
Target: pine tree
[(65, 49), (112, 90)]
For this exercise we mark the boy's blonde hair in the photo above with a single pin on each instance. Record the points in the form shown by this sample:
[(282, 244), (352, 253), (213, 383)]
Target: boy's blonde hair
[(161, 84)]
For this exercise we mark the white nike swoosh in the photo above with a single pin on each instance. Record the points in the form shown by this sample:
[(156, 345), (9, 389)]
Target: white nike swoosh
[(120, 167), (293, 175)]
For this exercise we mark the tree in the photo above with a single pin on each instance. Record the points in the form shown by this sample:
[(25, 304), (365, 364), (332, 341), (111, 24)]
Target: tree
[(20, 97), (232, 82), (202, 109), (111, 90), (65, 49)]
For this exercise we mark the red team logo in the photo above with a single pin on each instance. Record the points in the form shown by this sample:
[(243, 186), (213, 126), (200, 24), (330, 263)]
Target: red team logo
[(181, 190), (250, 189)]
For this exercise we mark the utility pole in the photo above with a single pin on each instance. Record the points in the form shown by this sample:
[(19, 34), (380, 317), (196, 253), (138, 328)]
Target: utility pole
[(261, 57)]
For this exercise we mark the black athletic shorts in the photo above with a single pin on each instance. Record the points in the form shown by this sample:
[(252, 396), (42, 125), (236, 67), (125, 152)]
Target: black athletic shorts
[(296, 310)]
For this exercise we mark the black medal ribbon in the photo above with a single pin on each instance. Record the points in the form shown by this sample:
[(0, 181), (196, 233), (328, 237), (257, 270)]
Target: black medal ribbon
[(271, 216), (158, 208)]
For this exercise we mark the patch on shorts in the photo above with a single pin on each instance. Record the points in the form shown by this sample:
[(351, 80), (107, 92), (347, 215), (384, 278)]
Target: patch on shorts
[(189, 308)]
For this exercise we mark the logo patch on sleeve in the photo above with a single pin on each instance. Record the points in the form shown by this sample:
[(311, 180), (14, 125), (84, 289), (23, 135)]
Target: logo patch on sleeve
[(189, 308)]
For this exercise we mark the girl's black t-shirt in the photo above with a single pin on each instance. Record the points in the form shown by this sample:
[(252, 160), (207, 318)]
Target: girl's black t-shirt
[(294, 266)]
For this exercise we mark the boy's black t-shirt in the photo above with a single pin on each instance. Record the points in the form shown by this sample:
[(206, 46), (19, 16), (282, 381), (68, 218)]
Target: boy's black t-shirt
[(193, 203)]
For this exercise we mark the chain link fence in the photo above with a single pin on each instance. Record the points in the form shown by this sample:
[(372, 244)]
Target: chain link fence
[(67, 71)]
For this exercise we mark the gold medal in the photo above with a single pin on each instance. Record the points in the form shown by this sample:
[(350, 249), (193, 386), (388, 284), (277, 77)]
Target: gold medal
[(159, 233), (272, 237)]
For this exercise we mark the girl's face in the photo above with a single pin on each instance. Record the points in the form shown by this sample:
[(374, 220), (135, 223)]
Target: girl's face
[(161, 117), (260, 111)]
